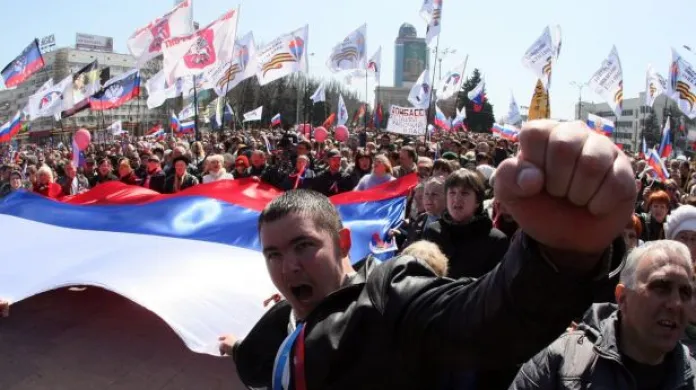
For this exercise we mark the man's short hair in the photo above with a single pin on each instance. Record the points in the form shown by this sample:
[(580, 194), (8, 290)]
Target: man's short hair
[(306, 203), (660, 248)]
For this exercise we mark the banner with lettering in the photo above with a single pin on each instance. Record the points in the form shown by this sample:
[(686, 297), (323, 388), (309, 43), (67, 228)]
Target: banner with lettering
[(407, 120)]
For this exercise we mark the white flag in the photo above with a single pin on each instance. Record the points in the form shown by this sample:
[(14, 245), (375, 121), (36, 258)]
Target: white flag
[(49, 102), (283, 56), (254, 115), (201, 84), (655, 85), (513, 115), (374, 64), (342, 112), (431, 11), (319, 95), (350, 53), (607, 82), (200, 51), (189, 111), (146, 43), (421, 90), (227, 75), (451, 83), (682, 84), (37, 95), (116, 128), (541, 56)]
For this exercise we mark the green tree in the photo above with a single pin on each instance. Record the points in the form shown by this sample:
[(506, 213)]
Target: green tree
[(651, 133), (481, 121)]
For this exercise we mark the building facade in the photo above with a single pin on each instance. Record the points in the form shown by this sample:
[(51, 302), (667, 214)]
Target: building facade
[(629, 126), (411, 56), (60, 63)]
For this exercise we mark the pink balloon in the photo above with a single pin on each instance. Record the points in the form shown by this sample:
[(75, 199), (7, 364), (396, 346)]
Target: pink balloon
[(82, 139), (341, 133), (320, 134)]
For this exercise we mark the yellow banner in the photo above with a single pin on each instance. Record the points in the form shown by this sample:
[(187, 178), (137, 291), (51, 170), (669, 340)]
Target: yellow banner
[(540, 107)]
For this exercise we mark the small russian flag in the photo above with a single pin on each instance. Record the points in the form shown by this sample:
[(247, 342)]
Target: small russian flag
[(507, 132), (600, 125), (174, 122), (276, 120), (666, 143), (657, 165)]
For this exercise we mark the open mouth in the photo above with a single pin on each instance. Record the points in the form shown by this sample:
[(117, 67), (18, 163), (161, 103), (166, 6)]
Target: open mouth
[(671, 325), (302, 292)]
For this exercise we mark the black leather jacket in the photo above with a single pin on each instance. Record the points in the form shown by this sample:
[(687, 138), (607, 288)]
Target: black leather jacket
[(396, 325)]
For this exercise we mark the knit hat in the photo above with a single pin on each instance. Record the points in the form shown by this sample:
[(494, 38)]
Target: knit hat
[(681, 219)]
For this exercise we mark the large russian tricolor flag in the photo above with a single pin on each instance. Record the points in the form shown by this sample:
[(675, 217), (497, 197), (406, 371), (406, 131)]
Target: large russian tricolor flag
[(192, 258), (11, 128)]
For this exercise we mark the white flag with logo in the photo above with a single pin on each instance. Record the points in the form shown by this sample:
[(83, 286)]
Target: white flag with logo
[(189, 111), (350, 53), (320, 94), (655, 85), (146, 43), (451, 83), (342, 112), (254, 115), (201, 84), (198, 52), (283, 56), (116, 128), (682, 84), (607, 82), (37, 95), (227, 75), (420, 92), (541, 56), (49, 102), (374, 64), (513, 115), (431, 11)]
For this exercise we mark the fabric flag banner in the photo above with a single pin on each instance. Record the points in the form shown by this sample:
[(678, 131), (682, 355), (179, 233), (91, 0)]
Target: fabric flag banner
[(11, 128), (188, 111), (541, 56), (276, 120), (431, 11), (441, 120), (374, 64), (146, 43), (132, 239), (351, 53), (254, 115), (201, 50), (227, 75), (508, 132), (451, 83), (49, 102), (607, 82), (655, 85), (36, 96), (23, 66), (459, 119), (320, 94), (540, 107), (665, 150), (657, 165), (283, 56), (513, 116), (185, 128), (682, 84), (157, 91), (117, 91), (174, 123), (478, 95), (342, 117), (600, 125), (194, 84), (116, 128), (420, 93), (85, 83)]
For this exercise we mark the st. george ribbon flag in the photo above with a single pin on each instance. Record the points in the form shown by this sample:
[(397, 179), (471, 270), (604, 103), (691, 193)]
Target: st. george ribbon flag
[(192, 258)]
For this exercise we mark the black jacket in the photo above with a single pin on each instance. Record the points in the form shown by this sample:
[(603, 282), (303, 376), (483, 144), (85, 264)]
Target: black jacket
[(473, 248), (188, 181), (396, 325), (329, 183)]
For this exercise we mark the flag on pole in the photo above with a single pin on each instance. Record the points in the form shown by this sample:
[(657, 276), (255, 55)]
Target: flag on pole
[(665, 150), (276, 120), (420, 93), (513, 116), (607, 81), (342, 111), (431, 11), (254, 115), (320, 94), (350, 53), (11, 128), (28, 62), (282, 56), (682, 84), (655, 85), (451, 83), (541, 56)]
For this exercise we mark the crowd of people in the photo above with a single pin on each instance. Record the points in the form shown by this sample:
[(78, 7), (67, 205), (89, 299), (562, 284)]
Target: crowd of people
[(500, 253)]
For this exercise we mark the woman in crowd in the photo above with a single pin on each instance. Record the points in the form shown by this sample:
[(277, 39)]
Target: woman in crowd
[(362, 166), (216, 169), (465, 232), (14, 184), (381, 173), (632, 233), (45, 184), (126, 174), (241, 167), (181, 179), (657, 205), (434, 205)]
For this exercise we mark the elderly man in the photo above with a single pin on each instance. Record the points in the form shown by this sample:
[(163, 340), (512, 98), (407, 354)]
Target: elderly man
[(632, 346), (396, 325)]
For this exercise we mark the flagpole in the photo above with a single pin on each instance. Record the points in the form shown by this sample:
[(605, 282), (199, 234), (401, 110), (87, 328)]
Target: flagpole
[(430, 109), (195, 111), (367, 101)]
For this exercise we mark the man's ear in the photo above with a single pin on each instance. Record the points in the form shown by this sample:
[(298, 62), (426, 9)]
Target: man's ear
[(620, 293), (344, 241)]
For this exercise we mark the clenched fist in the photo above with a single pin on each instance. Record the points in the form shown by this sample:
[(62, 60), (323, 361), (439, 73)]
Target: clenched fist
[(569, 188)]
